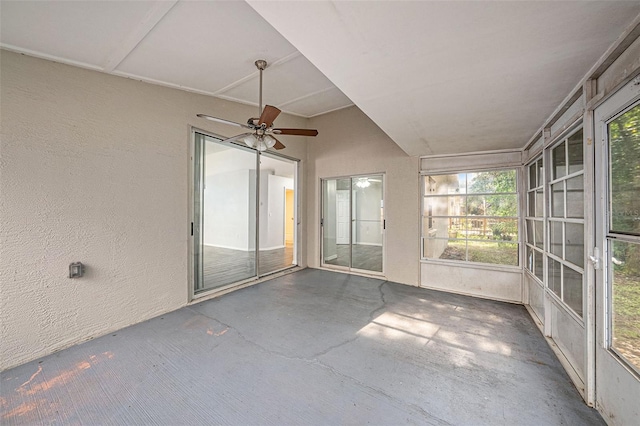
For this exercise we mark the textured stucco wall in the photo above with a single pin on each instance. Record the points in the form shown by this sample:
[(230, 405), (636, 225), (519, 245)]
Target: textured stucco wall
[(94, 168), (349, 143)]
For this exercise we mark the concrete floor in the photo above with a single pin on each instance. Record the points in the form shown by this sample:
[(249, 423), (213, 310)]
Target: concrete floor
[(313, 347)]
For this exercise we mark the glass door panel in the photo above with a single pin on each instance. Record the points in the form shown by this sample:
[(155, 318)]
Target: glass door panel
[(353, 223), (277, 214), (617, 237), (624, 224), (225, 214), (336, 241), (367, 223)]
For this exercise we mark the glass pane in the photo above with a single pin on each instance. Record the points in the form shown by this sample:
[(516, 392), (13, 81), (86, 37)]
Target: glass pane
[(533, 181), (539, 203), (442, 248), (445, 184), (492, 205), (277, 214), (537, 258), (572, 289), (574, 243), (574, 146), (557, 199), (529, 259), (624, 146), (625, 287), (532, 204), (493, 252), (367, 216), (493, 181), (492, 229), (529, 228), (228, 215), (554, 276), (539, 234), (453, 205), (559, 162), (575, 197), (555, 238), (540, 172), (335, 205)]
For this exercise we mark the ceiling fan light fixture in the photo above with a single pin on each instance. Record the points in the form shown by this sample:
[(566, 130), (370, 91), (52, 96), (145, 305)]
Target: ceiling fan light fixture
[(363, 183), (250, 141)]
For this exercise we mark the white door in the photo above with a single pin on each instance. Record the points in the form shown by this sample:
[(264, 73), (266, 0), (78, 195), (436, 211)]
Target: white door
[(617, 256), (342, 217)]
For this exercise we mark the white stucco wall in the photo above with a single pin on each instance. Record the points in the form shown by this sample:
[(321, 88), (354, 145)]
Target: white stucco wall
[(349, 143), (95, 168)]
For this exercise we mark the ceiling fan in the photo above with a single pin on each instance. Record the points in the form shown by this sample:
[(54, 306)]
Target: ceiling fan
[(261, 135)]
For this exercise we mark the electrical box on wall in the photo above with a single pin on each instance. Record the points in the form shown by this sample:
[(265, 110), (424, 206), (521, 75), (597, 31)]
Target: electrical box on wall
[(76, 270)]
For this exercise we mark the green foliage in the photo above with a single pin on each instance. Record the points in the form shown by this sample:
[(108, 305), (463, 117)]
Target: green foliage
[(504, 203), (624, 145)]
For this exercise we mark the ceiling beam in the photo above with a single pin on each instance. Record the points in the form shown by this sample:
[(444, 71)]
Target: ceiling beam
[(150, 20)]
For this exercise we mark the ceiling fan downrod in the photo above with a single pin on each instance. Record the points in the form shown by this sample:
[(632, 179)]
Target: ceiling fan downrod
[(261, 64)]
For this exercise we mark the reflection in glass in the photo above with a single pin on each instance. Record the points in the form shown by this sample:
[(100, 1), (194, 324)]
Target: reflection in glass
[(336, 221), (539, 228), (533, 181), (574, 147), (445, 184), (540, 172), (625, 286), (557, 199), (529, 227), (539, 203), (554, 276), (447, 205), (228, 219), (555, 238), (367, 215), (624, 152), (532, 204), (276, 214), (574, 243), (529, 259), (539, 272), (575, 197), (572, 289), (559, 162)]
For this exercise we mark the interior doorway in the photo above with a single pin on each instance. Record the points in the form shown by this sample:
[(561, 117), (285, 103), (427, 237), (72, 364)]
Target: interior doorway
[(353, 224)]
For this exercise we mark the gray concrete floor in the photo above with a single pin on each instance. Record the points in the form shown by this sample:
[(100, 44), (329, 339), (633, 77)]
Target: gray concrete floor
[(313, 347)]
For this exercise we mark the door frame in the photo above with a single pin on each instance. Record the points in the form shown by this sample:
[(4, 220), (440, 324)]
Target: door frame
[(614, 377), (384, 229), (192, 225)]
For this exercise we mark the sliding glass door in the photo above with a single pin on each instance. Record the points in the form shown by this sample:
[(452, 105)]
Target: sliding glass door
[(353, 223), (245, 215)]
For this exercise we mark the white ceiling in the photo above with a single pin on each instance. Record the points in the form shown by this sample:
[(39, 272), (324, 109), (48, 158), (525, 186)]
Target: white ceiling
[(437, 77), (206, 47), (450, 77)]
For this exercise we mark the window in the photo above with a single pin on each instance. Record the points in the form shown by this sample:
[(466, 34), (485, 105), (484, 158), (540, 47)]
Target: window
[(534, 221), (471, 217), (565, 222)]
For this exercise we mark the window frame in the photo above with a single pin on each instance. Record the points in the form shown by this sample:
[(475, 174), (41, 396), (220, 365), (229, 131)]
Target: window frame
[(428, 219)]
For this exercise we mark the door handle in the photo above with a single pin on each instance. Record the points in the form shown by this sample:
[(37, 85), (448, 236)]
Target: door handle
[(595, 258)]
